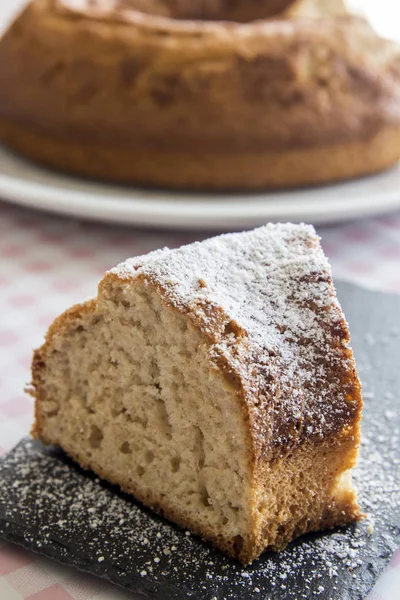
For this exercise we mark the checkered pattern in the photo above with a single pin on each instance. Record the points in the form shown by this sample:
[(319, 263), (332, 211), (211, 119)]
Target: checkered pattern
[(49, 263), (367, 252), (388, 585), (23, 576)]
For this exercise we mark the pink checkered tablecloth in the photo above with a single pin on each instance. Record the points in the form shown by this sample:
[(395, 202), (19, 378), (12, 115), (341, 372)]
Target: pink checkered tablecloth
[(48, 263)]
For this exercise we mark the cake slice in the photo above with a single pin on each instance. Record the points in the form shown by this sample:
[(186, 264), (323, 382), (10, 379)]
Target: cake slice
[(214, 383)]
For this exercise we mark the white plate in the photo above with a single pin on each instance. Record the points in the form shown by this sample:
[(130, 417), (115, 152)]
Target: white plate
[(24, 183)]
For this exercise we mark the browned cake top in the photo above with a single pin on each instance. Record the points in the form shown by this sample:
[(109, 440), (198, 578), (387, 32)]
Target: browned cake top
[(215, 88), (266, 302)]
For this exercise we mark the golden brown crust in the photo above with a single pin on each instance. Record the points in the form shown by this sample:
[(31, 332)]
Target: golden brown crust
[(198, 104), (183, 170), (40, 356)]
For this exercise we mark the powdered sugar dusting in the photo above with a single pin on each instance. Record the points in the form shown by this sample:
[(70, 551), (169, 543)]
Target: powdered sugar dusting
[(275, 284), (250, 275), (132, 266)]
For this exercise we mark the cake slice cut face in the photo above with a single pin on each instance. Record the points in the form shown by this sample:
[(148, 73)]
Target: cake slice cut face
[(214, 383)]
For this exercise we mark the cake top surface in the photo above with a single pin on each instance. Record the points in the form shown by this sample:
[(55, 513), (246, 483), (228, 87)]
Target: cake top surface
[(275, 285), (250, 276), (293, 34)]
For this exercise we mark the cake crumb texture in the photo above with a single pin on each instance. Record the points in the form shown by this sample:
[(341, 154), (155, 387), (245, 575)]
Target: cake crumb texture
[(215, 383)]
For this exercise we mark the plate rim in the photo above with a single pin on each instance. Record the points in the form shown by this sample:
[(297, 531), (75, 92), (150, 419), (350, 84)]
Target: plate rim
[(168, 209)]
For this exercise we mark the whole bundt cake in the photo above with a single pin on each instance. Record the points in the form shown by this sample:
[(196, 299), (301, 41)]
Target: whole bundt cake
[(211, 94)]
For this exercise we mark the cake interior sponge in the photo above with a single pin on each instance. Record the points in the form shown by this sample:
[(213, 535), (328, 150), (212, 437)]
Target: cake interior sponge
[(214, 383)]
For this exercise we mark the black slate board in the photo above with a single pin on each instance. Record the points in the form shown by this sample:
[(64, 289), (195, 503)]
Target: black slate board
[(49, 505)]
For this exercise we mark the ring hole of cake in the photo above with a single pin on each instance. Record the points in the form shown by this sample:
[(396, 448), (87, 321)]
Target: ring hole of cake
[(239, 12)]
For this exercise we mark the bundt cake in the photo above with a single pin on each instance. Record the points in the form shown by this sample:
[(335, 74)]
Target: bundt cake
[(214, 383), (204, 94)]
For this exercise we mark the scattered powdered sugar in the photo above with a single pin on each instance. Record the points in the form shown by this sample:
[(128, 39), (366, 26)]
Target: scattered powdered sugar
[(275, 284)]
